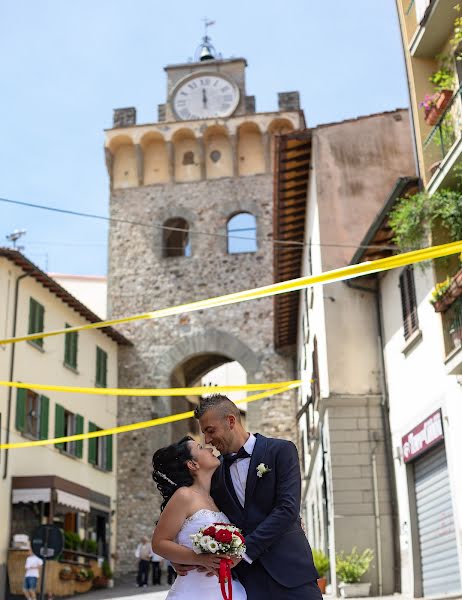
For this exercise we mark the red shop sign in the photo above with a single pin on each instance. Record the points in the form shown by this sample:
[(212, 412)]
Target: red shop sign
[(424, 436)]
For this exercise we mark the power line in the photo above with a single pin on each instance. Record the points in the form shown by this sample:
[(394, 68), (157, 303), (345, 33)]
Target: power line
[(183, 230)]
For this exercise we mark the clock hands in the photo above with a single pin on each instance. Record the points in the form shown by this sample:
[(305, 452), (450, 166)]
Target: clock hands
[(204, 97)]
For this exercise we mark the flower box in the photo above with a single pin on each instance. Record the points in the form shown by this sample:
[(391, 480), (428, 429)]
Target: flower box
[(354, 590), (451, 294), (436, 109)]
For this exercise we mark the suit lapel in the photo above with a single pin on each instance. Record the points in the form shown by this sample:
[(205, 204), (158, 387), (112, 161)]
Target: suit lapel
[(228, 487), (258, 456)]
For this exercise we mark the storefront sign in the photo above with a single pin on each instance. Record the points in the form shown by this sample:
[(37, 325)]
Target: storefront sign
[(424, 436)]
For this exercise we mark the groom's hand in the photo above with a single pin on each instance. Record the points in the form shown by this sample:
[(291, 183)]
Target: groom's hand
[(183, 570)]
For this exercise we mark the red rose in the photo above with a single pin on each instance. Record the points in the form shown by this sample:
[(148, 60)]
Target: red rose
[(224, 536), (240, 536), (210, 531)]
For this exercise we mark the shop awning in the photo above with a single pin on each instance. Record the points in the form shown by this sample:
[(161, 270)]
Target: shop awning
[(75, 502), (31, 495)]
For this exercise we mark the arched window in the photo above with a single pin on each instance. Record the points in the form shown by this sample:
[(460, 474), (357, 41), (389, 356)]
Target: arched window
[(242, 233), (176, 240)]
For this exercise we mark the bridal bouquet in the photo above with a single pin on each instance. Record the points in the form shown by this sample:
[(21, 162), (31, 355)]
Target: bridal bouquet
[(220, 538)]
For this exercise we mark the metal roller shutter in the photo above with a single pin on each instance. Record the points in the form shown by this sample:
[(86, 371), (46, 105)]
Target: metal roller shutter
[(435, 519)]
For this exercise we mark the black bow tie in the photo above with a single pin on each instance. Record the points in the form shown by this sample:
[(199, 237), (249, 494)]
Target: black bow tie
[(230, 458)]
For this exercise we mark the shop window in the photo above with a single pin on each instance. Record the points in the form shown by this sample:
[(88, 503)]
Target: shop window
[(36, 320), (176, 240), (68, 423), (100, 449), (70, 348), (408, 302), (242, 233), (32, 414), (101, 367)]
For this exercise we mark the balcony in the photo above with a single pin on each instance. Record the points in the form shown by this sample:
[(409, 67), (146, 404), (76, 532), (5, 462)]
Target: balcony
[(410, 19), (442, 147), (434, 24), (452, 331)]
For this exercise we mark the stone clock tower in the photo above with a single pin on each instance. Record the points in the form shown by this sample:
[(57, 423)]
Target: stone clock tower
[(184, 192)]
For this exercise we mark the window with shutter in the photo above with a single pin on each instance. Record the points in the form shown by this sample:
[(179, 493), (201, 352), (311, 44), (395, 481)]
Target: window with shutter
[(70, 348), (21, 396), (36, 320), (78, 430), (44, 414), (59, 424), (92, 449), (101, 367), (408, 302)]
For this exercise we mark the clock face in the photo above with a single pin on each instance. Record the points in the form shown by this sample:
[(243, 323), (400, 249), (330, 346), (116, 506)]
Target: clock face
[(204, 96)]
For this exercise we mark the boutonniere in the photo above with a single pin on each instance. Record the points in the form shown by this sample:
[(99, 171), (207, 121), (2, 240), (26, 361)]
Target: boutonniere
[(262, 470)]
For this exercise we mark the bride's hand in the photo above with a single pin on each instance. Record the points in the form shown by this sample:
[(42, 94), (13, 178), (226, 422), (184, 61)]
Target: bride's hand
[(211, 562)]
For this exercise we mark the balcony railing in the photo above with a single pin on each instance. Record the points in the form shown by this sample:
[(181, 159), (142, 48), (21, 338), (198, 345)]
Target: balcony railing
[(452, 326), (444, 134)]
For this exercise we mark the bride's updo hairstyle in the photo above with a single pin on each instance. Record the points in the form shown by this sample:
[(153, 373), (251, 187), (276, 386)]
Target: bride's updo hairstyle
[(169, 469)]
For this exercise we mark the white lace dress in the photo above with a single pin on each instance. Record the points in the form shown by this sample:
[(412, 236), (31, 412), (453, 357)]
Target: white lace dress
[(196, 585)]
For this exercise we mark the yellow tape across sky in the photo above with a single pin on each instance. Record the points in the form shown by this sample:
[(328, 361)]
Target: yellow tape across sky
[(144, 424), (188, 391), (342, 274), (366, 268)]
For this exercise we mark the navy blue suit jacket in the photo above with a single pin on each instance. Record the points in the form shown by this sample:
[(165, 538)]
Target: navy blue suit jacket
[(270, 518)]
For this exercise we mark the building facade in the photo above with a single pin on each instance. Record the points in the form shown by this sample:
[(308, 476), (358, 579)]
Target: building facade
[(347, 495), (72, 485), (195, 192)]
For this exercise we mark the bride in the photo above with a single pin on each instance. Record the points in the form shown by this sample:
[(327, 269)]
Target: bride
[(183, 474)]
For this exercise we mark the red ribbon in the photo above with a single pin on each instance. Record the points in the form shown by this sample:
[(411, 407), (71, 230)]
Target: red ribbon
[(225, 578)]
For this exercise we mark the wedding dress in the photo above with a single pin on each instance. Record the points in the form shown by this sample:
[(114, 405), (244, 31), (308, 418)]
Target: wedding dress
[(196, 585)]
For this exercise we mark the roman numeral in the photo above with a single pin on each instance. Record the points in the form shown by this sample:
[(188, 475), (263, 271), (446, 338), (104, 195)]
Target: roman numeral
[(225, 88), (185, 113), (228, 98), (192, 85), (205, 81)]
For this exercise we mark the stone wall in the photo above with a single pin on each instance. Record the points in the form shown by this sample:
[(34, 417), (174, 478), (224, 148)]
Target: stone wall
[(141, 279)]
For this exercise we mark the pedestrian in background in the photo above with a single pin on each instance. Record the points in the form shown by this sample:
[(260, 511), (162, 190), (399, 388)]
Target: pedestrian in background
[(32, 573), (171, 573), (156, 562), (143, 554)]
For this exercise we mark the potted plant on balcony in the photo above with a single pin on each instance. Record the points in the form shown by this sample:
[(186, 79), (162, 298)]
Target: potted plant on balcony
[(350, 568), (321, 562), (66, 573), (438, 294), (443, 80)]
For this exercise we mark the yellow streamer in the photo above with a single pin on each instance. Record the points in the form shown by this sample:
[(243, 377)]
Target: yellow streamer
[(141, 425), (366, 268), (186, 391)]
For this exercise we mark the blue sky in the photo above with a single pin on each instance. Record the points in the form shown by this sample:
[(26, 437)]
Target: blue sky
[(65, 64)]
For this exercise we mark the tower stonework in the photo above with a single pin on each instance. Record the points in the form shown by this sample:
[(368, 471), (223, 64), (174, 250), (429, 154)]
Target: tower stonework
[(208, 159)]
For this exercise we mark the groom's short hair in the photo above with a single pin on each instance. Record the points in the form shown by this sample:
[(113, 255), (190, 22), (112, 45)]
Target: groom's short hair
[(219, 403)]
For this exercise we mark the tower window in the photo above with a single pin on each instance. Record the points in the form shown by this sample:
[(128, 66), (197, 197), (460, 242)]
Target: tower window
[(215, 156), (242, 233), (188, 158), (176, 240)]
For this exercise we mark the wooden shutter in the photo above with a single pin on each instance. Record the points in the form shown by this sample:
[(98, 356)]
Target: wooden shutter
[(92, 445), (408, 302), (101, 367), (59, 423), (21, 396), (44, 413), (79, 429), (109, 443)]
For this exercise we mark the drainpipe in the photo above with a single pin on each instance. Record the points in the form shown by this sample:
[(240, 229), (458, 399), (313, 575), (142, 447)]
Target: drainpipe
[(12, 355), (378, 530), (385, 413)]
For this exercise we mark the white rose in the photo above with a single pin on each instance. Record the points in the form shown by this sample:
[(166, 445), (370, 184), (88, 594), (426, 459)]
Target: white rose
[(205, 540), (236, 542), (212, 545)]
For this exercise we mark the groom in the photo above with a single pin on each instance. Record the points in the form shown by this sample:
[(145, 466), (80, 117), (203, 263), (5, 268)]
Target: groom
[(258, 486)]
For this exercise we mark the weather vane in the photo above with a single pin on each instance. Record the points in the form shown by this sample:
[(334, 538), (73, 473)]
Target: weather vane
[(207, 23)]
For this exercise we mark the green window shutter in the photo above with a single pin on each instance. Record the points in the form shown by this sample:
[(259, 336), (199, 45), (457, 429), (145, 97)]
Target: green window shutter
[(109, 443), (67, 345), (101, 367), (75, 348), (31, 328), (59, 423), (44, 412), (36, 319), (70, 348), (92, 458), (79, 429), (21, 396)]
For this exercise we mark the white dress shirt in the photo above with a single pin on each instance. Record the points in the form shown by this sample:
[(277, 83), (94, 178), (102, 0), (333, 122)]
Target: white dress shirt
[(239, 471)]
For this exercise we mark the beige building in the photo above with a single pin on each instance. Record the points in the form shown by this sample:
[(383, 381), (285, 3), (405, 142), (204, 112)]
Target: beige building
[(72, 485), (330, 183)]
